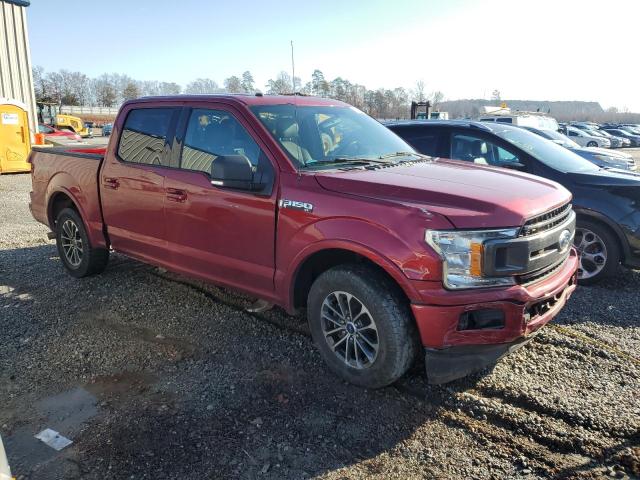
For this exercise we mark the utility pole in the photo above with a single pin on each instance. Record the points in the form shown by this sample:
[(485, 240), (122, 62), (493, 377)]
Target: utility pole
[(293, 70)]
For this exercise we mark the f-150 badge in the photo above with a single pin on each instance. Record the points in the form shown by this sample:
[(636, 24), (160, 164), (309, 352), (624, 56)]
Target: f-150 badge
[(296, 205)]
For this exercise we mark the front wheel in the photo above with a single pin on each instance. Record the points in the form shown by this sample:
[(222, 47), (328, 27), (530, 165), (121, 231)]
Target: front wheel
[(78, 256), (592, 144), (362, 325), (598, 251)]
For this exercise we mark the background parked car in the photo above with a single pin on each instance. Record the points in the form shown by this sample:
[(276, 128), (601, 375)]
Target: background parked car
[(634, 139), (594, 130), (631, 129), (106, 129), (585, 139), (52, 132), (599, 156), (607, 201), (616, 142)]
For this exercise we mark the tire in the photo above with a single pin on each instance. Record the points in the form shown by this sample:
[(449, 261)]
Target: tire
[(78, 256), (379, 355), (598, 249), (592, 144)]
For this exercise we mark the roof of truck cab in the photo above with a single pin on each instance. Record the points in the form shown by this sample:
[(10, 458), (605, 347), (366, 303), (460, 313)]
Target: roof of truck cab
[(245, 99), (441, 123)]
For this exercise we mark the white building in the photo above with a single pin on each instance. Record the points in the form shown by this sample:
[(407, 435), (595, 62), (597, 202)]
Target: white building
[(16, 78)]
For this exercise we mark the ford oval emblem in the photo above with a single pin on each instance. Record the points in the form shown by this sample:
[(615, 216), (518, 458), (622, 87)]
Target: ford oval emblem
[(564, 241)]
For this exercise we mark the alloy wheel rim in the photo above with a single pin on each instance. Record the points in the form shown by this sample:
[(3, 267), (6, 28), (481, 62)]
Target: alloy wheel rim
[(592, 252), (349, 330), (71, 243)]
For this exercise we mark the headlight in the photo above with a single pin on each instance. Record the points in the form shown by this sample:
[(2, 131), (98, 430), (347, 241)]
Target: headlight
[(462, 252)]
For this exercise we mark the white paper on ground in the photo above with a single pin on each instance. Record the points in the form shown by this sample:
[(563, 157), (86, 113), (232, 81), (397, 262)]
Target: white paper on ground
[(54, 439)]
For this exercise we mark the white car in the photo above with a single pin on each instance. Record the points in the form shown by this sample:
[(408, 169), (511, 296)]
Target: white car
[(5, 472), (582, 138)]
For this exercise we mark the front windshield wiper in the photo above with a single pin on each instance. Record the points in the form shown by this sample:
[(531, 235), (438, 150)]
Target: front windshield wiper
[(357, 161), (400, 154)]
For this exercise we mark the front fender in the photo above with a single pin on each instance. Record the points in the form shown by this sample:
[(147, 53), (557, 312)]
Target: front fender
[(401, 252)]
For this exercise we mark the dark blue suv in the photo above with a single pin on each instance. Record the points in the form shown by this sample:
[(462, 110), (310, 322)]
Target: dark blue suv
[(607, 201)]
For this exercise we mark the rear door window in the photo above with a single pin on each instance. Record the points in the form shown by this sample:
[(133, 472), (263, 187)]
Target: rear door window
[(144, 135)]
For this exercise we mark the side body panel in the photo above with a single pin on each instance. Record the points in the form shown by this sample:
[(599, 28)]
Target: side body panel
[(133, 196), (222, 235), (72, 175)]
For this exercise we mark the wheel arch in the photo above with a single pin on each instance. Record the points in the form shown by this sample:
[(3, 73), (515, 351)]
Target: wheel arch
[(319, 258), (58, 201), (612, 226)]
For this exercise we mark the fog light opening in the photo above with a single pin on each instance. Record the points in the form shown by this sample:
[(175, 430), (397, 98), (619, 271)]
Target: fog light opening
[(481, 320)]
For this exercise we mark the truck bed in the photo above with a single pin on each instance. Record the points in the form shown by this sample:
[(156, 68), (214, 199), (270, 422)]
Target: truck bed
[(63, 175)]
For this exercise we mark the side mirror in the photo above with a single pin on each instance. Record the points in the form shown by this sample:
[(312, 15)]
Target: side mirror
[(234, 171)]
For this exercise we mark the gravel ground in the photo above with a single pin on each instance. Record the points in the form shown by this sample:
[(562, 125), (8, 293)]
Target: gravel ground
[(153, 375)]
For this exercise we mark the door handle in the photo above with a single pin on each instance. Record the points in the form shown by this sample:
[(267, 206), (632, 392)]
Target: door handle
[(176, 195), (111, 183)]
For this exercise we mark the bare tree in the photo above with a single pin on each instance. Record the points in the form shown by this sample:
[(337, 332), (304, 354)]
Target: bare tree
[(495, 95), (233, 84), (105, 91), (131, 91), (281, 85), (55, 86), (436, 98), (202, 85), (170, 88), (419, 92)]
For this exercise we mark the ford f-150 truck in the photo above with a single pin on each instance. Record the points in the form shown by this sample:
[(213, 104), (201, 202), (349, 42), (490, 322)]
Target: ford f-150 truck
[(309, 203)]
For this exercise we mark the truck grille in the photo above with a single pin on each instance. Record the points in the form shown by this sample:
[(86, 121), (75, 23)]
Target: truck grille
[(546, 221), (538, 276)]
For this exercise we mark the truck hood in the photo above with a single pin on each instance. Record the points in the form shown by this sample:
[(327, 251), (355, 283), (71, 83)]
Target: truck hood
[(606, 152), (607, 178), (470, 196)]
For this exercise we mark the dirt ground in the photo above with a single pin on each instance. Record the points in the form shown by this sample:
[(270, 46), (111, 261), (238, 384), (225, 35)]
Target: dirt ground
[(153, 375)]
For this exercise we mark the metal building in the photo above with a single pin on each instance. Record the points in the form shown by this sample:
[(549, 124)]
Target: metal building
[(16, 78)]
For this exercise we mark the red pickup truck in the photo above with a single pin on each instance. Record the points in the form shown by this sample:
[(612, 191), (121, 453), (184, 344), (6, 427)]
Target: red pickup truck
[(309, 203)]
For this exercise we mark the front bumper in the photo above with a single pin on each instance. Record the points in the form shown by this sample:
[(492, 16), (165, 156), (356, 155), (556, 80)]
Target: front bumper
[(452, 353), (456, 362)]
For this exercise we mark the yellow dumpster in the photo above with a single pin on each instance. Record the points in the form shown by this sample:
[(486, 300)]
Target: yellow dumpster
[(15, 137)]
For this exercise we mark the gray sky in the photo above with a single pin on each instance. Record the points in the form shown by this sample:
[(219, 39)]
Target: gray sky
[(527, 49)]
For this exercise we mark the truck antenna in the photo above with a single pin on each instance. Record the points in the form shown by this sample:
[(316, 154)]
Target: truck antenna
[(293, 71)]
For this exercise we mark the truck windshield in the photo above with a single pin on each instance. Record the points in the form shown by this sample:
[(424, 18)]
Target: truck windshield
[(549, 153), (322, 136)]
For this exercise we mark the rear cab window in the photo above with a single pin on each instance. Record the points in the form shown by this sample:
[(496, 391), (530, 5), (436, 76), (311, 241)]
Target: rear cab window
[(144, 135), (428, 141)]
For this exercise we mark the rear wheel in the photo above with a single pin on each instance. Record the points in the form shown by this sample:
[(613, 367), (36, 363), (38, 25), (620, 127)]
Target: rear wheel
[(77, 255), (362, 325), (598, 250)]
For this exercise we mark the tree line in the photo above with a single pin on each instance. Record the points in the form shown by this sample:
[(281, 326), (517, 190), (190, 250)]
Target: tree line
[(65, 87)]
